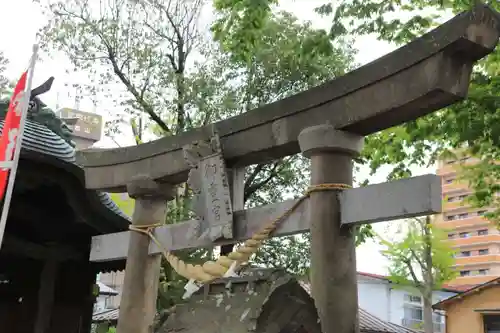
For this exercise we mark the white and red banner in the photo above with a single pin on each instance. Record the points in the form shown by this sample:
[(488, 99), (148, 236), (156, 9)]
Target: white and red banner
[(10, 131), (12, 136)]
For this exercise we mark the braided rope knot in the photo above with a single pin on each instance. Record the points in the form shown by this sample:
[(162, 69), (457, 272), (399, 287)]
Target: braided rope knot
[(212, 270)]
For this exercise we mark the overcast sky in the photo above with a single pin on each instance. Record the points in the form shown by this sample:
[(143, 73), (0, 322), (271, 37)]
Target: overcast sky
[(18, 36)]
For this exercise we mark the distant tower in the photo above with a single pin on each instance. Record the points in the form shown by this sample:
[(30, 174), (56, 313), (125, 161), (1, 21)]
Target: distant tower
[(86, 126)]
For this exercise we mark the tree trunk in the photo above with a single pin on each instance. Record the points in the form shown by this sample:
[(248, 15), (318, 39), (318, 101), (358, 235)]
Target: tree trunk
[(428, 322), (428, 278)]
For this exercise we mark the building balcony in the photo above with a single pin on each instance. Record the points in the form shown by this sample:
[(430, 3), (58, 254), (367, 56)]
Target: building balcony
[(470, 222), (477, 260), (447, 205), (471, 280), (472, 240), (455, 186), (418, 325), (449, 168)]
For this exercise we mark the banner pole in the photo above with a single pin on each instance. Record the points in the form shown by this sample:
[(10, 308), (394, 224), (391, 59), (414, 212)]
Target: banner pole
[(19, 140)]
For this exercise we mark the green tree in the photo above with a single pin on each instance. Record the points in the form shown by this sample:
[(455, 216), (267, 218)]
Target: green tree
[(239, 25), (473, 123), (422, 259), (4, 82)]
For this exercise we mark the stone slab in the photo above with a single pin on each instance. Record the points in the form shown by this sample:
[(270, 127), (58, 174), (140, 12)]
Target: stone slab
[(404, 198), (214, 199), (382, 202)]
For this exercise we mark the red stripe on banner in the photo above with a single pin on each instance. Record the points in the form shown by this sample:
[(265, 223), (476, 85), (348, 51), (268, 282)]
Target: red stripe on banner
[(11, 130)]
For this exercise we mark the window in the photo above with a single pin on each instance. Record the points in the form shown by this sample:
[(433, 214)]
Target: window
[(413, 313), (482, 232), (449, 180), (464, 235), (482, 212), (450, 217), (413, 299), (450, 236), (108, 303), (463, 159), (491, 323), (465, 253), (463, 215), (464, 273), (462, 197), (450, 162), (451, 199), (483, 271), (483, 252), (437, 317)]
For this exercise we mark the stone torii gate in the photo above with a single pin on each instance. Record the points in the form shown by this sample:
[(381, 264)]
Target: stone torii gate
[(327, 124)]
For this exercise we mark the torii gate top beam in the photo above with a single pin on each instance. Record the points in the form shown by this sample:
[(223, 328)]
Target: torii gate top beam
[(423, 76)]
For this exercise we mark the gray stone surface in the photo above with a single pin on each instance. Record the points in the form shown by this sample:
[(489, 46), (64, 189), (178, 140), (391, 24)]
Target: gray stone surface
[(430, 73), (208, 180), (142, 186), (323, 138), (394, 200), (261, 301), (416, 196)]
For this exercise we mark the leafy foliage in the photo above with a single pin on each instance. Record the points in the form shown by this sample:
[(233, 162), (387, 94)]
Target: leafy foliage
[(3, 80), (408, 256), (240, 25), (473, 123), (423, 258)]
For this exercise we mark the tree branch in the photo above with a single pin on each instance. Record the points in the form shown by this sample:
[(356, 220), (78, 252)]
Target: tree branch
[(252, 188), (117, 69), (416, 257), (130, 87), (418, 284)]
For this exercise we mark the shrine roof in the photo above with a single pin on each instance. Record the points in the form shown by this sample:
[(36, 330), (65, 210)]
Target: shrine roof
[(47, 139)]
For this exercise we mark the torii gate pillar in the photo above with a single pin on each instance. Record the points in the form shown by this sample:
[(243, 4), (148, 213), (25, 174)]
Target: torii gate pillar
[(142, 272), (333, 256)]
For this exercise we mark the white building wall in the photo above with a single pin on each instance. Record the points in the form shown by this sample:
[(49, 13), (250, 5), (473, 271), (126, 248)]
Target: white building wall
[(380, 298), (374, 298)]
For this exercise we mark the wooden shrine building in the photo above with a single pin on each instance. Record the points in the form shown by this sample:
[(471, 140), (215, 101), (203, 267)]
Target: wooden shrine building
[(46, 279)]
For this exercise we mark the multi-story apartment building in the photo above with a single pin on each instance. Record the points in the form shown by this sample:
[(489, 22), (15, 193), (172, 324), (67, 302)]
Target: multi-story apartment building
[(476, 239)]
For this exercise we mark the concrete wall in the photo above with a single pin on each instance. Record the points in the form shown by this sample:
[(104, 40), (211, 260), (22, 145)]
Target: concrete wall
[(461, 317)]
